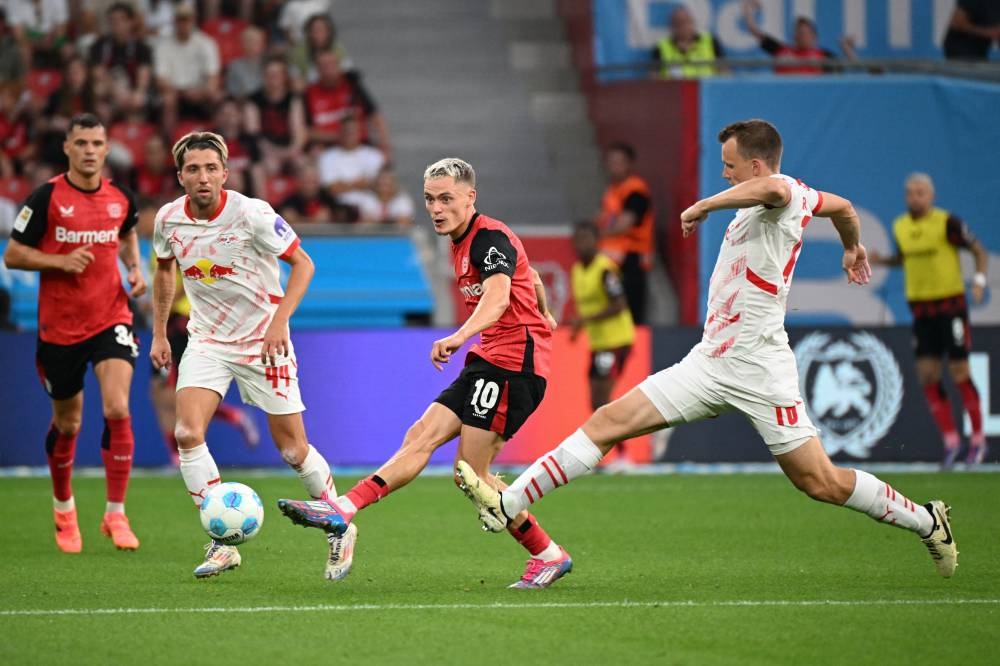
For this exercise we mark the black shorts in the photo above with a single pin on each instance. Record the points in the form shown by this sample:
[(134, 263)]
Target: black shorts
[(939, 334), (488, 397), (608, 362), (62, 367)]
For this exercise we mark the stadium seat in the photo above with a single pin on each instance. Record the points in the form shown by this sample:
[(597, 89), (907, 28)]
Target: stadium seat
[(133, 136), (278, 188), (15, 189), (226, 33), (43, 82)]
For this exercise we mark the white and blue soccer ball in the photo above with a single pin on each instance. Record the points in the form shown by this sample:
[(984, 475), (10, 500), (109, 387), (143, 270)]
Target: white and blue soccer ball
[(232, 513)]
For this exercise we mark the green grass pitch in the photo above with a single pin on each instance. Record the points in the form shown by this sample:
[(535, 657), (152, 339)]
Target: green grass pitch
[(668, 570)]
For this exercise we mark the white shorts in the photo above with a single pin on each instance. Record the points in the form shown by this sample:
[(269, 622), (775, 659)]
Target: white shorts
[(765, 389), (275, 389)]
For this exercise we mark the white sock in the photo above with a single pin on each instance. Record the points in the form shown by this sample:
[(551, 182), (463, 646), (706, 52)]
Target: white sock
[(68, 505), (199, 471), (345, 506), (315, 475), (576, 456), (551, 552), (880, 501), (114, 507)]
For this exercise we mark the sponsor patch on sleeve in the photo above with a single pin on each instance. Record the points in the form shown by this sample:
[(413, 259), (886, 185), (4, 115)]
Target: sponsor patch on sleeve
[(21, 222)]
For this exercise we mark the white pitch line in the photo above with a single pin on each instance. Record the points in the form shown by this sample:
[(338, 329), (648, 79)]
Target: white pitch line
[(323, 608)]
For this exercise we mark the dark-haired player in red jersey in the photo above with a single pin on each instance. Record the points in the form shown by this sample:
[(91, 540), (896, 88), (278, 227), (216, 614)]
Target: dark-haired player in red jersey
[(503, 380), (74, 229)]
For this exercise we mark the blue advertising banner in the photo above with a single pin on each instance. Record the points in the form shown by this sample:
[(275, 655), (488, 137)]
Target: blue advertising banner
[(627, 30), (861, 137)]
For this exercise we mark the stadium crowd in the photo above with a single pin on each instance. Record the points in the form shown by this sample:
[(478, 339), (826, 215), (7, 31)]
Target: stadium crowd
[(272, 77)]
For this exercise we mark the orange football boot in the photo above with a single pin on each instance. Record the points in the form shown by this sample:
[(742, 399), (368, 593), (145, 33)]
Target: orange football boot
[(68, 531), (115, 526)]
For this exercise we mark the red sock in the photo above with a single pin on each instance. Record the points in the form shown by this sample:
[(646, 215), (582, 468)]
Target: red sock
[(940, 406), (531, 535), (970, 400), (61, 450), (117, 445), (368, 491), (227, 414)]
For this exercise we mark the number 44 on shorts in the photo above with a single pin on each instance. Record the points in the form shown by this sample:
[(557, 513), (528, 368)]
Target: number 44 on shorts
[(275, 375)]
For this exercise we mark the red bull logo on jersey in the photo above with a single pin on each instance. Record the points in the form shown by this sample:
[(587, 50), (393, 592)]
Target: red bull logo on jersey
[(207, 271)]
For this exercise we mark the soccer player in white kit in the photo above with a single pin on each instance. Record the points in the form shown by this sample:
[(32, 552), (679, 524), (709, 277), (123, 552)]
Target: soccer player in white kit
[(743, 361), (227, 247)]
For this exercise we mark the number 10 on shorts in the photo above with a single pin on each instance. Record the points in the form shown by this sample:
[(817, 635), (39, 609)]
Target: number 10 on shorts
[(787, 415)]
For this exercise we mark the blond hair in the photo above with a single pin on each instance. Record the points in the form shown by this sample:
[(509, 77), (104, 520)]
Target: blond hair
[(198, 140), (458, 169)]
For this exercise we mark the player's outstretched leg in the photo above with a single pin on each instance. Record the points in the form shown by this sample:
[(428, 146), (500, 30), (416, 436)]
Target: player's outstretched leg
[(575, 456), (334, 514), (810, 469), (548, 562)]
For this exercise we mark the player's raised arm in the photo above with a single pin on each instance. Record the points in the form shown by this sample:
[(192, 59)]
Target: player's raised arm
[(773, 192), (276, 337), (841, 212)]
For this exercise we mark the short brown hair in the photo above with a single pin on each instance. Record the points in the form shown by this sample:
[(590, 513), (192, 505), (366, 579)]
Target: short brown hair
[(755, 139), (199, 141)]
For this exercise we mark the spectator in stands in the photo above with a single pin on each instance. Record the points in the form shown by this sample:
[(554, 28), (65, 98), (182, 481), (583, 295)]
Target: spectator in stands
[(245, 75), (805, 46), (296, 13), (158, 17), (312, 203), (974, 28), (387, 203), (41, 27), (76, 94), (12, 63), (156, 179), (320, 35), (336, 95), (246, 174), (122, 63), (187, 70), (8, 212), (685, 44), (626, 225), (277, 116), (352, 165), (16, 128)]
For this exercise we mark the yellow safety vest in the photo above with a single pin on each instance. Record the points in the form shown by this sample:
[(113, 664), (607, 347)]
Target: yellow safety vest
[(591, 298), (673, 58), (930, 262)]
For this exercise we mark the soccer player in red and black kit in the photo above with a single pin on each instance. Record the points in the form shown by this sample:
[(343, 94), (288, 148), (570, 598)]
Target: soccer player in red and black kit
[(503, 380), (74, 229)]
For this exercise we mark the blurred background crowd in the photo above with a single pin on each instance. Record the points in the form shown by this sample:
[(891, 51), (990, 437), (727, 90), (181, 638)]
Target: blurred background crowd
[(272, 77)]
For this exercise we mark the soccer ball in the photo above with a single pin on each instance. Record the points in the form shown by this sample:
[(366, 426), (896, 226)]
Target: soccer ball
[(232, 513)]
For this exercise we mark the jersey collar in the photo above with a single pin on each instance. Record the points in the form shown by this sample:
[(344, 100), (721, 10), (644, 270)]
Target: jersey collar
[(465, 233), (218, 211)]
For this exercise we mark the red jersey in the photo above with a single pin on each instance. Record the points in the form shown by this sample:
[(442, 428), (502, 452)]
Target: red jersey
[(326, 107), (57, 218), (521, 340)]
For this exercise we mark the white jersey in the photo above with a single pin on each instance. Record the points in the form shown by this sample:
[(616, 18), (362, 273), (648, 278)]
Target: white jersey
[(749, 286), (229, 264)]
